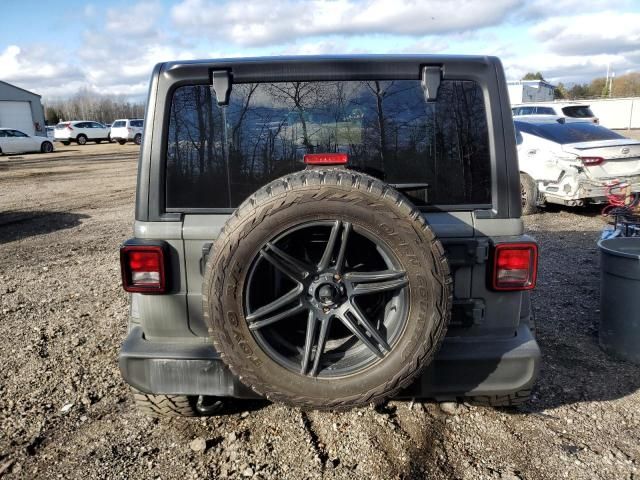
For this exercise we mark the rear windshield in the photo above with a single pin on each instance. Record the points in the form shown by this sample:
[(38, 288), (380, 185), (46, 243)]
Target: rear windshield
[(136, 123), (60, 126), (563, 133), (580, 111), (437, 153), (119, 123)]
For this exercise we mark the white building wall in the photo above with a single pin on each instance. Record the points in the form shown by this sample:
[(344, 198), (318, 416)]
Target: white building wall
[(537, 93), (617, 112), (515, 93), (525, 91)]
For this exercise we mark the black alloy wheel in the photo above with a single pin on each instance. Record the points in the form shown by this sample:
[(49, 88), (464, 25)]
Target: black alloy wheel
[(326, 298)]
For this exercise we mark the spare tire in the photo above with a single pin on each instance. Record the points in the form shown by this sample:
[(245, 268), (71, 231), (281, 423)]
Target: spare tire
[(326, 289)]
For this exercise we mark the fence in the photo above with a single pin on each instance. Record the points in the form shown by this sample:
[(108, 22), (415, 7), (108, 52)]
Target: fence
[(619, 113)]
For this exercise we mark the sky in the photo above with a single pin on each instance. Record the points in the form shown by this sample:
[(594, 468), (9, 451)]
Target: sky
[(55, 48)]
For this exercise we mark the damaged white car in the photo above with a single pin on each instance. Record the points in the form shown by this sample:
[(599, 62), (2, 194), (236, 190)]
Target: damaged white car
[(573, 163)]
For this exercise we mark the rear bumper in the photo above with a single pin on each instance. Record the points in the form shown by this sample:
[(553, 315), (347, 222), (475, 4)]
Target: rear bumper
[(583, 190), (462, 367)]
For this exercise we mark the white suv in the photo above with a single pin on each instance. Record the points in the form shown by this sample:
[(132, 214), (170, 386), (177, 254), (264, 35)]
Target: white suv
[(81, 131), (127, 129), (570, 111)]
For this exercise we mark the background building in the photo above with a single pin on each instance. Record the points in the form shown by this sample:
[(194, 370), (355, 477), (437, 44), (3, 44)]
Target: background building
[(21, 109), (523, 91)]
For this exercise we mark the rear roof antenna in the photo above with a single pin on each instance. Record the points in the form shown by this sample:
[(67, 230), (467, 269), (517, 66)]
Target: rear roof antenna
[(221, 85)]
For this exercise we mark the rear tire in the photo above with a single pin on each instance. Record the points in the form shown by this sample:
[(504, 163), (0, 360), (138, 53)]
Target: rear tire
[(528, 195), (46, 147), (122, 142), (66, 143), (138, 139), (82, 139), (98, 142), (165, 405)]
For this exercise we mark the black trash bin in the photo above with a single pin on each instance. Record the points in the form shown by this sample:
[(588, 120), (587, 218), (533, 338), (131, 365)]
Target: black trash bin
[(620, 297)]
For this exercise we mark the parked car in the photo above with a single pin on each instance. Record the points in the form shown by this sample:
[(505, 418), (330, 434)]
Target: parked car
[(81, 132), (125, 130), (571, 163), (314, 265), (569, 111), (15, 141)]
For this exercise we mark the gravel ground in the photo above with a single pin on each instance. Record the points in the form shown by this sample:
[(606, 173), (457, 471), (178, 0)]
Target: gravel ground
[(65, 412)]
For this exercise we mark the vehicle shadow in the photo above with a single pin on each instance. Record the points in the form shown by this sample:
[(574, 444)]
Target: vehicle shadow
[(589, 210), (18, 225)]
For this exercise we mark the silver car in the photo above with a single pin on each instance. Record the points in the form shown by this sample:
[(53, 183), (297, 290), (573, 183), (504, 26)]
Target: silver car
[(572, 163)]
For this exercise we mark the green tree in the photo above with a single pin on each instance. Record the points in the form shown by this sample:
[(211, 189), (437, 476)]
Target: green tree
[(579, 91), (533, 76), (560, 91), (52, 116), (598, 87)]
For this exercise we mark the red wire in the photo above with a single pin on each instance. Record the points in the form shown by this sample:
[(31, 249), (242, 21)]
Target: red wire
[(618, 198)]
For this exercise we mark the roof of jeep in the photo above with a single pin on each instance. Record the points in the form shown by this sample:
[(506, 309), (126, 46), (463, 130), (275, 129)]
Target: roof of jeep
[(329, 58), (319, 67)]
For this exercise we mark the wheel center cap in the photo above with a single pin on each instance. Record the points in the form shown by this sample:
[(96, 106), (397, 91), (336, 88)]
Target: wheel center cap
[(327, 294)]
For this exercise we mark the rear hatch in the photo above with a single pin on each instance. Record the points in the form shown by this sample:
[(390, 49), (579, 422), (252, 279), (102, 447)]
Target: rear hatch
[(579, 111), (119, 129), (437, 153), (608, 158), (62, 130)]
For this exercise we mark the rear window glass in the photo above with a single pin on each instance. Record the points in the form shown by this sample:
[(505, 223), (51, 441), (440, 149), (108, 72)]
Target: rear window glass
[(436, 153), (564, 133), (118, 124), (136, 123), (545, 111), (60, 126), (578, 112)]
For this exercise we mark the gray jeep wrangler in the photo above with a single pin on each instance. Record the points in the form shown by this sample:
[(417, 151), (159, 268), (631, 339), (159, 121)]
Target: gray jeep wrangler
[(328, 232)]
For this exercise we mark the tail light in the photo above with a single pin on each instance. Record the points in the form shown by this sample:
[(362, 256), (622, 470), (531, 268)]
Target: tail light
[(143, 268), (69, 127), (591, 161), (515, 266), (325, 158)]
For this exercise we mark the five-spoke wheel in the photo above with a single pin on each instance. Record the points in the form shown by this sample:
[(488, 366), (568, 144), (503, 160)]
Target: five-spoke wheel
[(325, 298)]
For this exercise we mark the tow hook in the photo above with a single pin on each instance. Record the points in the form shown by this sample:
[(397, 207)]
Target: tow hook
[(208, 408)]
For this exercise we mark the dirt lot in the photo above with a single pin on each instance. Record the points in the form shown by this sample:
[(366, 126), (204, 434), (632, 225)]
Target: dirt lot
[(65, 412)]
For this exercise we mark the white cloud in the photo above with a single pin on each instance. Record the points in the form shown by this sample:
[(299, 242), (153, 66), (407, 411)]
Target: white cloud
[(118, 48), (256, 22), (33, 66), (138, 20), (590, 34)]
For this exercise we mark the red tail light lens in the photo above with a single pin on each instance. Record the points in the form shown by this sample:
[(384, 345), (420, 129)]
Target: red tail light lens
[(69, 127), (515, 266), (591, 161), (143, 268), (325, 158)]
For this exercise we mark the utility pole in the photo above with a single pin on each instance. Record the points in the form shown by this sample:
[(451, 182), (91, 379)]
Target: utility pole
[(613, 74)]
